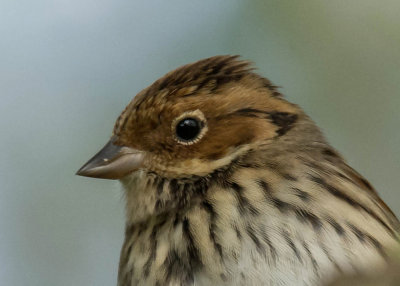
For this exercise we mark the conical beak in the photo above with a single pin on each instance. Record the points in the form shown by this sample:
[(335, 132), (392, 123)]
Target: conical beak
[(112, 162)]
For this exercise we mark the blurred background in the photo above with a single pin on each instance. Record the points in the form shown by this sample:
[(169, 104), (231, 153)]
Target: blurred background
[(69, 67)]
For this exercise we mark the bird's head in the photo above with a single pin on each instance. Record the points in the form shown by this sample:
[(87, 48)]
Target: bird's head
[(193, 121)]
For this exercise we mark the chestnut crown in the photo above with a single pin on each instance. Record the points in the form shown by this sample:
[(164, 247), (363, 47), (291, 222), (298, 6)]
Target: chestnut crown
[(201, 116)]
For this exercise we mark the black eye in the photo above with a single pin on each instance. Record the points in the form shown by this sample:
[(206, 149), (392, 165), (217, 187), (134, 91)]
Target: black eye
[(188, 129)]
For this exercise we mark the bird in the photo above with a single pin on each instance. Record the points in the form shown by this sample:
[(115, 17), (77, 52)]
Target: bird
[(226, 182)]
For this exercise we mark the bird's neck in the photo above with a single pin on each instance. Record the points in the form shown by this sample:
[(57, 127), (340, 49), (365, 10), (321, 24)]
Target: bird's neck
[(266, 210)]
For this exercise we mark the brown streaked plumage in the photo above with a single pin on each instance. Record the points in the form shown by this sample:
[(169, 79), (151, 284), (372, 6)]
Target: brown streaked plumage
[(227, 183)]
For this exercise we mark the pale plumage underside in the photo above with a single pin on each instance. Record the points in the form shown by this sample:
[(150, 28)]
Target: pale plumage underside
[(263, 222), (284, 210)]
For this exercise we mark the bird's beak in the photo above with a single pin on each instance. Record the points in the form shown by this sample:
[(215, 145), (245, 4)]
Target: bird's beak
[(112, 162)]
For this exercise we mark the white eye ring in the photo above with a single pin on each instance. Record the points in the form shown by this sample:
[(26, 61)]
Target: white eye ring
[(188, 122)]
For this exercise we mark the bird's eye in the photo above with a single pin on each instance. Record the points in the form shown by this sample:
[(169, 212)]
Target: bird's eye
[(188, 129)]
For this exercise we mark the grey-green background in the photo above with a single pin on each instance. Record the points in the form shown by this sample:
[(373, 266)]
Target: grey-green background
[(68, 68)]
